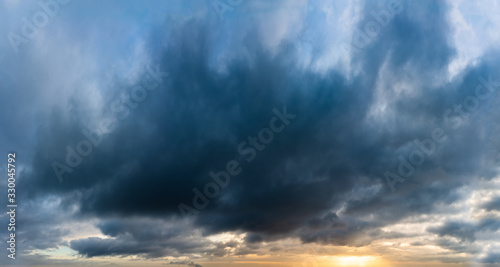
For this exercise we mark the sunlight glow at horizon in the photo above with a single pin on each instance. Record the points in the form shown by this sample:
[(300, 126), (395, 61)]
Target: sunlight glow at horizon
[(350, 261)]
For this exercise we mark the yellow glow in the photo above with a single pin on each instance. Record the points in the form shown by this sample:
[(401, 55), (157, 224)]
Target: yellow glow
[(226, 237), (354, 261)]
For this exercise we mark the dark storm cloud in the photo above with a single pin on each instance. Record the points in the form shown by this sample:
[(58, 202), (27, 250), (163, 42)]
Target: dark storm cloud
[(41, 225), (466, 237), (149, 238), (494, 204), (462, 231), (491, 258), (331, 156), (193, 126)]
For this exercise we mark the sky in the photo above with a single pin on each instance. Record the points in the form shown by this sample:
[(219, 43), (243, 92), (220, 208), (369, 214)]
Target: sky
[(250, 133)]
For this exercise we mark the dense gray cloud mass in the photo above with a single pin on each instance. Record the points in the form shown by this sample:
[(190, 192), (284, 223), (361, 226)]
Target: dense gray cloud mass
[(321, 179)]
